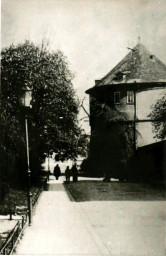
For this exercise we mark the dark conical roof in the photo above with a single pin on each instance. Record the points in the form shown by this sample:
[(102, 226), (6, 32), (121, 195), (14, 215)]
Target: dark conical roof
[(138, 65)]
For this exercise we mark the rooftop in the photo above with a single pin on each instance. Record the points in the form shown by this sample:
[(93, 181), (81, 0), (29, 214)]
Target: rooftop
[(139, 65)]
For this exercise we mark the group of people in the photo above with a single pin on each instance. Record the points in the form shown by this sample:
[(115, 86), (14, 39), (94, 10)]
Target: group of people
[(71, 172), (68, 173)]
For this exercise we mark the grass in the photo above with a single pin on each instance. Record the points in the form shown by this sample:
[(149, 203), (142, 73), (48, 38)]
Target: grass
[(110, 191), (16, 198)]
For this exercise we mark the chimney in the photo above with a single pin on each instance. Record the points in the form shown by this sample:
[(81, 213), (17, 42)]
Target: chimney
[(97, 82)]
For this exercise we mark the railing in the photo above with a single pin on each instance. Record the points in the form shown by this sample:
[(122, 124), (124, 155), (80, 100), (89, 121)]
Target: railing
[(34, 199), (9, 245)]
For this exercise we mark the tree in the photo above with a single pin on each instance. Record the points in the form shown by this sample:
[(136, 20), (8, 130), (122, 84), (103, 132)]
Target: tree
[(111, 143), (53, 124), (159, 114)]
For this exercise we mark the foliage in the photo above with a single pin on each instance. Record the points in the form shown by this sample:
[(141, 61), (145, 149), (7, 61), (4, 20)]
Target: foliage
[(52, 120), (159, 114), (111, 142)]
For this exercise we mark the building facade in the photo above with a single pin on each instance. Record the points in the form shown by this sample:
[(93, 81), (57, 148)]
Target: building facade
[(131, 88)]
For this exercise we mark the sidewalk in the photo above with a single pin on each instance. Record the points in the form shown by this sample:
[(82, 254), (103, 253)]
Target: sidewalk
[(94, 227), (59, 227)]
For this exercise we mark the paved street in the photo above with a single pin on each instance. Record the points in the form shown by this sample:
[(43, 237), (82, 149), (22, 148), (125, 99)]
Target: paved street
[(129, 228), (63, 227), (59, 228)]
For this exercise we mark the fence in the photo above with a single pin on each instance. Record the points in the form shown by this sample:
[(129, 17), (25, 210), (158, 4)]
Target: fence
[(1, 191), (9, 245)]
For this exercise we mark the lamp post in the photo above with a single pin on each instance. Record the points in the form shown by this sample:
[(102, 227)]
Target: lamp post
[(48, 172), (26, 100)]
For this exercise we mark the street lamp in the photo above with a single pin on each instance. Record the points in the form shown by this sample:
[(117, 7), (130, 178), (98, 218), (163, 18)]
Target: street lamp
[(48, 172), (26, 102)]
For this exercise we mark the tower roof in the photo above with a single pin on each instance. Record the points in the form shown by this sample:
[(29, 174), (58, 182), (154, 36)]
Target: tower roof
[(139, 65)]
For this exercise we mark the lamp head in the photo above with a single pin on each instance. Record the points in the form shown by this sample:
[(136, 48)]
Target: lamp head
[(26, 96)]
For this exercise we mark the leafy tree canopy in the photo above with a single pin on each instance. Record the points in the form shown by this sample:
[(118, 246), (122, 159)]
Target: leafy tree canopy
[(53, 124), (112, 141), (159, 114)]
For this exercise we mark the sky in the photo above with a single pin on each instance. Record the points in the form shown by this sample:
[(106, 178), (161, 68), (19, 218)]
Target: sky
[(93, 34)]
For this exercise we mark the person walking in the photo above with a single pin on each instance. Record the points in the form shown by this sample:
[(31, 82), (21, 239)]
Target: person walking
[(75, 173), (68, 174), (57, 171)]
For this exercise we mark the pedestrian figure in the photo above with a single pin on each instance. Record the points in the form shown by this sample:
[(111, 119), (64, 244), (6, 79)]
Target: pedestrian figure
[(107, 177), (57, 171), (75, 173), (68, 174)]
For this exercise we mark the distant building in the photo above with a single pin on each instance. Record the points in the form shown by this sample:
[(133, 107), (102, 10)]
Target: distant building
[(150, 163), (131, 88)]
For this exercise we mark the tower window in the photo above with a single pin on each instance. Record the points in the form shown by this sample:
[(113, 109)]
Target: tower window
[(118, 76), (116, 97), (130, 97)]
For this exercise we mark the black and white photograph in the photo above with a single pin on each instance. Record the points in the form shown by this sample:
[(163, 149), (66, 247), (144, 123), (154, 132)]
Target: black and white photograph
[(83, 127)]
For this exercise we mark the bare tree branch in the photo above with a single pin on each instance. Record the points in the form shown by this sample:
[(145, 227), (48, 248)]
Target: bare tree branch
[(84, 107)]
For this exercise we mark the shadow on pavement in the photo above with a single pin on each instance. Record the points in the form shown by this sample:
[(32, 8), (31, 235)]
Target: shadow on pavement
[(54, 187)]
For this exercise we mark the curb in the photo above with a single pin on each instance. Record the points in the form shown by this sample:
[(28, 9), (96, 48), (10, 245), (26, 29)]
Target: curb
[(68, 192)]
